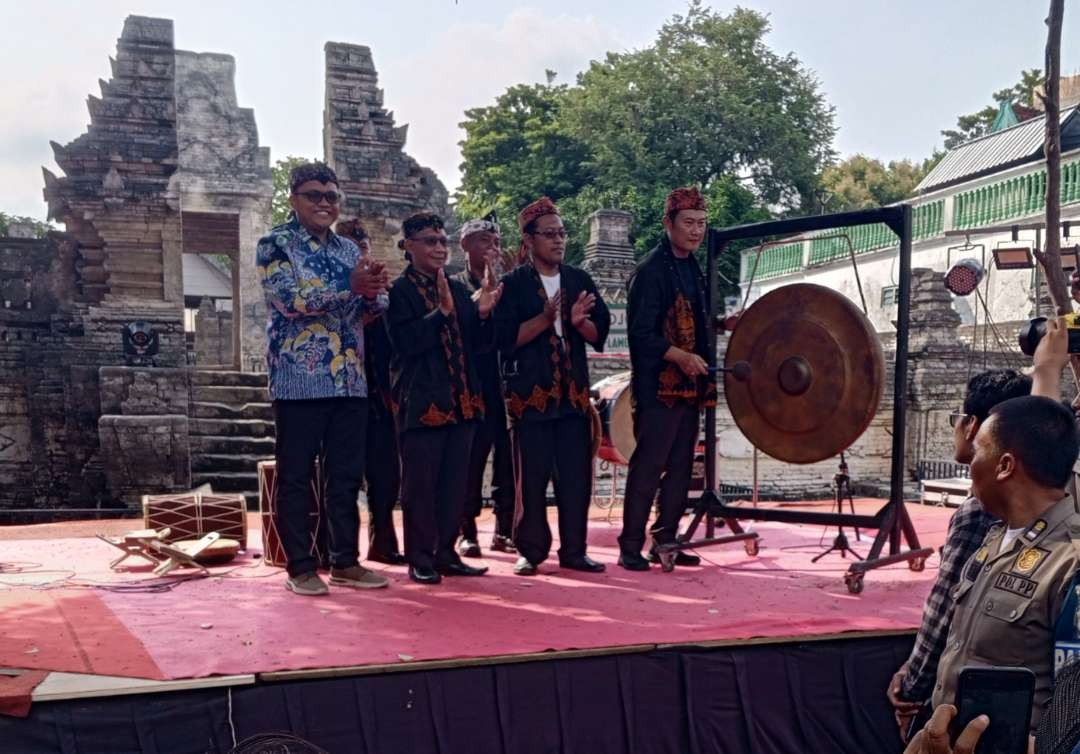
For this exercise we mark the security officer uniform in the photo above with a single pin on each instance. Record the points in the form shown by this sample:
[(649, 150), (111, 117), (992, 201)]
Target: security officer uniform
[(1007, 604)]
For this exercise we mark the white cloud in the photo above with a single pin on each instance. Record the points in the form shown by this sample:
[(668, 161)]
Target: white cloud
[(468, 65)]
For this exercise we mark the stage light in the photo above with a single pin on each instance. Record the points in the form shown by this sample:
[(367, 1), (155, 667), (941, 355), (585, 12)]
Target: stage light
[(1013, 258), (964, 277), (1070, 257)]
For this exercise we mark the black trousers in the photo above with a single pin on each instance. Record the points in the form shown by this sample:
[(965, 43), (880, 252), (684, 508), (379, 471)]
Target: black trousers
[(335, 430), (491, 435), (434, 467), (664, 458), (556, 450), (383, 473)]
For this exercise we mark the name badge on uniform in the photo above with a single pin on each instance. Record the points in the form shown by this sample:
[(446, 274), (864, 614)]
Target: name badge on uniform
[(1017, 585)]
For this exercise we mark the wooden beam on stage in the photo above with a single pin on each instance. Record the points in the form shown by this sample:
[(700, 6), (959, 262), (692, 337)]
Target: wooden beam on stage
[(767, 640), (408, 666), (57, 686)]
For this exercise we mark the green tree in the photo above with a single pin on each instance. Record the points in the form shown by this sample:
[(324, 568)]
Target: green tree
[(279, 203), (860, 182), (708, 99), (974, 125), (40, 228), (517, 150)]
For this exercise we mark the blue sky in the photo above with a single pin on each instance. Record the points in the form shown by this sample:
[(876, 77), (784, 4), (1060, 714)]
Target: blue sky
[(897, 72)]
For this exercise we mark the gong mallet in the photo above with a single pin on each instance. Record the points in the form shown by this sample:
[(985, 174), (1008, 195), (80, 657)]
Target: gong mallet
[(740, 370)]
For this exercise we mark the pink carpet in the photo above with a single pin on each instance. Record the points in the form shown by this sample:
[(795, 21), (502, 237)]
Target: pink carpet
[(242, 620)]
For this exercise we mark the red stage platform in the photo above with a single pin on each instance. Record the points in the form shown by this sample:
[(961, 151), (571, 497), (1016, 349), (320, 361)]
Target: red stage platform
[(242, 621)]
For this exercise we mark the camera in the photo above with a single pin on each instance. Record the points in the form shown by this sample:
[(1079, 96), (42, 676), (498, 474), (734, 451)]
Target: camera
[(1033, 332)]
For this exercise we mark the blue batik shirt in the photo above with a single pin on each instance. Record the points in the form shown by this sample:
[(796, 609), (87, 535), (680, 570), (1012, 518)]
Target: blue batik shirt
[(315, 323)]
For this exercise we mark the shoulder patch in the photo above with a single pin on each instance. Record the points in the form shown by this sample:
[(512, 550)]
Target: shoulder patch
[(1035, 530), (1028, 560)]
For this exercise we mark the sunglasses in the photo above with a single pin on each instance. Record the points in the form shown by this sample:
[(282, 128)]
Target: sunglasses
[(432, 241), (957, 417), (315, 197)]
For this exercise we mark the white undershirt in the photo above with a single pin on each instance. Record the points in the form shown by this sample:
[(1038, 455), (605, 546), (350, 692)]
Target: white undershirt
[(551, 287), (1010, 537)]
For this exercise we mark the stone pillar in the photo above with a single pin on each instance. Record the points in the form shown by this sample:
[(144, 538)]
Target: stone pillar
[(1040, 303), (224, 170), (609, 255), (145, 455), (144, 431), (937, 366)]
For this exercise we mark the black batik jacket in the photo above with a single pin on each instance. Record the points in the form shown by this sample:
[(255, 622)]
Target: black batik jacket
[(377, 353), (661, 314), (486, 362), (546, 378), (433, 372)]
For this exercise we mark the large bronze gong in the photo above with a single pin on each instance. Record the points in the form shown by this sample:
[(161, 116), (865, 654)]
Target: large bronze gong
[(816, 373)]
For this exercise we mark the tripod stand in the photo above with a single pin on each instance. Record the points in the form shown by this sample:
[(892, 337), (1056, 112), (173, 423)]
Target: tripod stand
[(842, 486)]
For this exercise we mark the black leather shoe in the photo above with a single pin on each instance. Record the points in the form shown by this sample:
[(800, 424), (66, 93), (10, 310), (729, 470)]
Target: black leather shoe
[(460, 569), (584, 563), (393, 558), (424, 575), (501, 543), (681, 558), (632, 561), (524, 567)]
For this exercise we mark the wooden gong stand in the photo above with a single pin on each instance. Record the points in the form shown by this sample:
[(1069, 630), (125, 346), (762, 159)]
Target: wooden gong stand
[(892, 522)]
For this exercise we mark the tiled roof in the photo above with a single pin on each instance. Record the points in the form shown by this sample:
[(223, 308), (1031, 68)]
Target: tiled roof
[(998, 151)]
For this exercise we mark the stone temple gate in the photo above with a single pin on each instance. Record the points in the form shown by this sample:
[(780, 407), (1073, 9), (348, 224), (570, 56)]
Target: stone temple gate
[(170, 167)]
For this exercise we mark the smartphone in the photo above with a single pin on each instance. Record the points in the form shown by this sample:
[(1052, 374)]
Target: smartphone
[(1005, 695), (922, 717)]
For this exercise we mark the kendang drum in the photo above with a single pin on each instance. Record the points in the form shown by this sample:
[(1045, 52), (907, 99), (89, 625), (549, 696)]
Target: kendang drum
[(612, 402), (193, 515), (273, 552)]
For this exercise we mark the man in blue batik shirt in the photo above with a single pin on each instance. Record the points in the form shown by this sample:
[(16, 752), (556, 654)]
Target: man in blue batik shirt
[(318, 287)]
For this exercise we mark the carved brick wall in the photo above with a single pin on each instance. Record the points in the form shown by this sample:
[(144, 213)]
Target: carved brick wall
[(382, 184)]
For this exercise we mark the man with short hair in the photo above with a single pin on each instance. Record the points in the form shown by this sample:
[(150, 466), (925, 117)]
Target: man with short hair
[(480, 240), (666, 317), (382, 465), (318, 288), (913, 683), (549, 312), (436, 327), (1013, 588)]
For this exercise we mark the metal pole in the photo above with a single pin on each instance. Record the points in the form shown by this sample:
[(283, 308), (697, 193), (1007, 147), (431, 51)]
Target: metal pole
[(755, 497), (903, 316), (1038, 275), (710, 333)]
